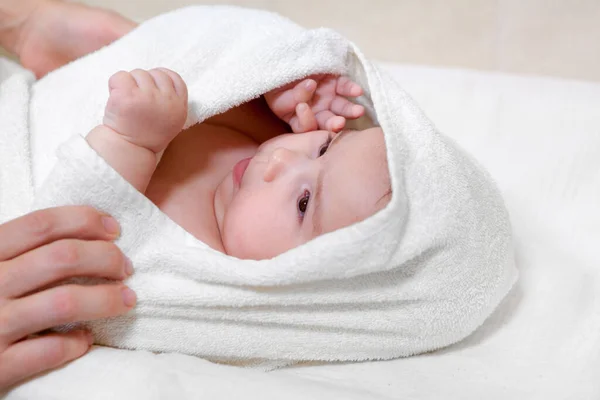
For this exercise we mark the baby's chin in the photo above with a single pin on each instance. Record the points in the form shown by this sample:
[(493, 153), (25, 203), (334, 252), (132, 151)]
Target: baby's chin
[(255, 253)]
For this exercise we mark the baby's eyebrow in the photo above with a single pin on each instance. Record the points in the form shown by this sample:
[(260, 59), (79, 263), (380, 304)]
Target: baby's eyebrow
[(339, 136)]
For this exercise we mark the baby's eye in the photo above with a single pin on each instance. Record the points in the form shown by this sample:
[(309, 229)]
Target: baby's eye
[(324, 148), (325, 145), (303, 203)]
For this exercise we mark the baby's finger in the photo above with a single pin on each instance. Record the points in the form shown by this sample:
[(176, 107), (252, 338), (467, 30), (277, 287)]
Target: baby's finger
[(163, 81), (178, 82), (283, 103), (121, 80), (143, 78), (304, 90), (304, 120), (32, 356), (345, 108), (346, 87), (336, 124), (329, 121), (63, 305)]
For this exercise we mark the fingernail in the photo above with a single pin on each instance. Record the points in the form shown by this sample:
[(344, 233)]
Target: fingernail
[(302, 107), (309, 84), (129, 296), (90, 338), (110, 225), (128, 266)]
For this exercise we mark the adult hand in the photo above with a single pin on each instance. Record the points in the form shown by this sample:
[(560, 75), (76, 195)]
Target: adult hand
[(56, 33), (42, 249)]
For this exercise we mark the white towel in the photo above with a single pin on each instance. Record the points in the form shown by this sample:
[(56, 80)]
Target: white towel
[(419, 275), (16, 191)]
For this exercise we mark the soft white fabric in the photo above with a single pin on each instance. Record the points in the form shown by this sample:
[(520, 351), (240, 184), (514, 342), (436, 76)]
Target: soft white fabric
[(539, 138), (16, 191), (422, 274)]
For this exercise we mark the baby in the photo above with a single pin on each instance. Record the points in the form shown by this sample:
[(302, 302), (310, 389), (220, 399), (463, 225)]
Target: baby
[(238, 182)]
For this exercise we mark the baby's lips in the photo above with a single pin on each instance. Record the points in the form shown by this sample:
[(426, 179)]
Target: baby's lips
[(239, 169)]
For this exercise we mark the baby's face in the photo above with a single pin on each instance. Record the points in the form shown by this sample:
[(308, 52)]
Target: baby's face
[(298, 186)]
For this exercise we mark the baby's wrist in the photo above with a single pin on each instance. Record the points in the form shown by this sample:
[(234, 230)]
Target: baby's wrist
[(133, 162), (113, 135), (143, 135), (107, 138)]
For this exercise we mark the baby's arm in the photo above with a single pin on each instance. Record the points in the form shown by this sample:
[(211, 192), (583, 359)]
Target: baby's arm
[(145, 111)]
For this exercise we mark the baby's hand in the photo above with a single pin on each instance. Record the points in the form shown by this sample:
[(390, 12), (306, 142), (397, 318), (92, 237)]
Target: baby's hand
[(148, 108), (318, 102)]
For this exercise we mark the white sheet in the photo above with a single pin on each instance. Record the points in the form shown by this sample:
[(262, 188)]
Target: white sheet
[(540, 140)]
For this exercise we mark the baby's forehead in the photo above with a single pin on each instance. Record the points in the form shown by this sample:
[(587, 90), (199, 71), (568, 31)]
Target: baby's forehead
[(373, 134), (357, 178), (371, 142)]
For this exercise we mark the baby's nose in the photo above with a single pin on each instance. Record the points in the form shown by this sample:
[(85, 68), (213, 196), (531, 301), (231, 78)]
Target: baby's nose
[(280, 159)]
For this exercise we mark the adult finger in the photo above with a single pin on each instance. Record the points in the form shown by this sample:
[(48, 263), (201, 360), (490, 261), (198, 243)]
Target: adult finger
[(32, 356), (62, 305), (45, 226), (61, 260)]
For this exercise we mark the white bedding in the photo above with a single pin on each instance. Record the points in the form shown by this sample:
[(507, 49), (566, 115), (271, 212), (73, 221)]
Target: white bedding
[(540, 140)]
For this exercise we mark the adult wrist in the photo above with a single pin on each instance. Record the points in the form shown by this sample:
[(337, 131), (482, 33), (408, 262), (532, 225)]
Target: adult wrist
[(14, 17)]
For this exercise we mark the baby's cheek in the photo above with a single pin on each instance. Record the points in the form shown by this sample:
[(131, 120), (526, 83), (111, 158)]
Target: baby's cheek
[(251, 233)]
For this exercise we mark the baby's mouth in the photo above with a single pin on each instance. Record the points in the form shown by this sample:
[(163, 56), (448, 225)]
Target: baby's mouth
[(240, 168)]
